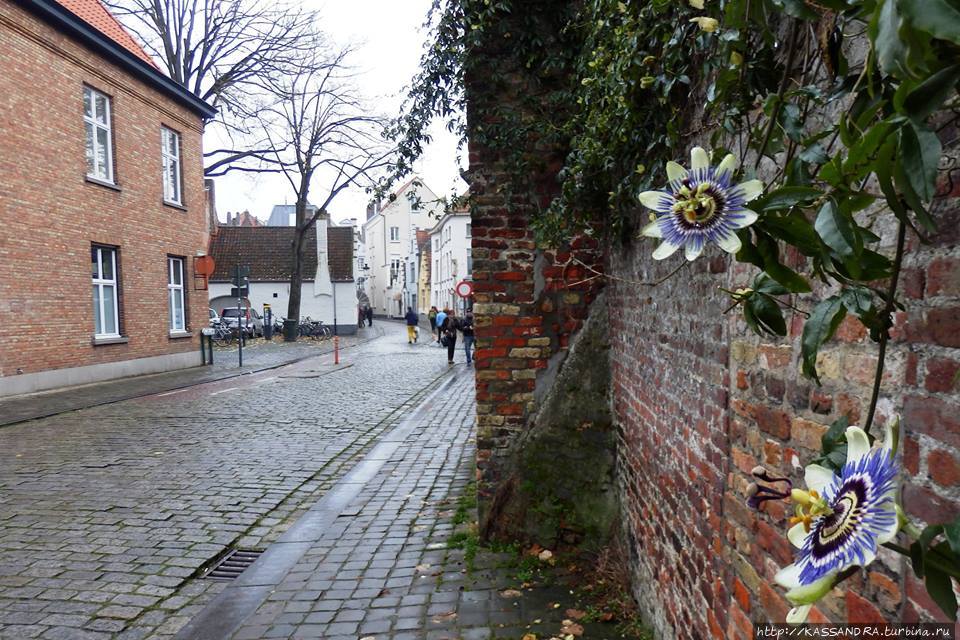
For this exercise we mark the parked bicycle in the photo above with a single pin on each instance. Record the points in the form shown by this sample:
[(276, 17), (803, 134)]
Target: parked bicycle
[(222, 334), (314, 329)]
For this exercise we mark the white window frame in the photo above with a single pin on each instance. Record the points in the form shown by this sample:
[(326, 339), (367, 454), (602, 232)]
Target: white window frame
[(469, 229), (102, 283), (95, 125), (174, 292), (168, 160), (394, 234)]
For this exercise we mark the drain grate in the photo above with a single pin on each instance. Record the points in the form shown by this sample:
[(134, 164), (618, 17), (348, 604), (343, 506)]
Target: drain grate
[(233, 564)]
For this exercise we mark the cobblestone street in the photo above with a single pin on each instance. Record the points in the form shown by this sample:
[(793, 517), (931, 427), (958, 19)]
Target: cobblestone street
[(108, 515)]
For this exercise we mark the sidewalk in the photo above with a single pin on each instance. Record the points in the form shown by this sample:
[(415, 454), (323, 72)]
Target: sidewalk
[(258, 356), (390, 552)]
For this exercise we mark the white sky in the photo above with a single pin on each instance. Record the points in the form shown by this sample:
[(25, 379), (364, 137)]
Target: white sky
[(389, 38)]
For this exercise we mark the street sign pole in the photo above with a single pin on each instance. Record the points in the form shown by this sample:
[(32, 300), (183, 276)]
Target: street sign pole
[(239, 316)]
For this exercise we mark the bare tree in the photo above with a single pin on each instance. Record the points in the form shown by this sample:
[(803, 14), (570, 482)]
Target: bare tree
[(320, 137), (221, 50)]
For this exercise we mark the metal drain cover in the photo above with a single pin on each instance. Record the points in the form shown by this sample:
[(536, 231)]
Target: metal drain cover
[(233, 564)]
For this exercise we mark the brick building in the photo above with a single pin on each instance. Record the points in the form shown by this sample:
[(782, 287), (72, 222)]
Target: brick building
[(103, 202)]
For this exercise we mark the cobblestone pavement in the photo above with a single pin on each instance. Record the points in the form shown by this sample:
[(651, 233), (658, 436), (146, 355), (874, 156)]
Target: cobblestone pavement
[(379, 562), (258, 355), (108, 515)]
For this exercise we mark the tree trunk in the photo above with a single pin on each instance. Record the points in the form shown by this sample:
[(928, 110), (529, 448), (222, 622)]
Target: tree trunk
[(296, 272)]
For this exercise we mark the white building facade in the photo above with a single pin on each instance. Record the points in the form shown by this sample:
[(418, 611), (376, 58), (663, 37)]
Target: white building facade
[(390, 239), (328, 291), (450, 243)]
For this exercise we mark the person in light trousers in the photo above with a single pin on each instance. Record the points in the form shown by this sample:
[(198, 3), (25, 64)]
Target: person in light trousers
[(466, 328)]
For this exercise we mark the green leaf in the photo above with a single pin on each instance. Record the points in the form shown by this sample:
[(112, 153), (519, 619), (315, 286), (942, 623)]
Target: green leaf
[(786, 197), (794, 229), (818, 329), (797, 9), (940, 18), (931, 93), (917, 553), (838, 231), (952, 532), (940, 588), (910, 196), (833, 445), (763, 315), (885, 32), (789, 278), (920, 149)]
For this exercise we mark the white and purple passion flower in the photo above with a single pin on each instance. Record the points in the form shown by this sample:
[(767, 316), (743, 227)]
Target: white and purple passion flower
[(841, 519), (699, 206)]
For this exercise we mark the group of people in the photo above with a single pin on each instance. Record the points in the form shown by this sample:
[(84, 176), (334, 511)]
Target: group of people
[(445, 325)]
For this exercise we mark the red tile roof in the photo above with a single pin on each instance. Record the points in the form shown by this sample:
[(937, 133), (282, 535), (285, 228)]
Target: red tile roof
[(99, 17)]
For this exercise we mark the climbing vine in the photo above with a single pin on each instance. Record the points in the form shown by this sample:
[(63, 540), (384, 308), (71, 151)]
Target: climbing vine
[(840, 108)]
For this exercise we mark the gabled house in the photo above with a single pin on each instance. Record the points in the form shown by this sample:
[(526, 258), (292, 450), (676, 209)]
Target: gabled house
[(102, 199), (266, 251)]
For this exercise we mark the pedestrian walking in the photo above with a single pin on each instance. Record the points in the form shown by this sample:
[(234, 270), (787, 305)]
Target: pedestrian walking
[(413, 319), (361, 316), (449, 334), (441, 316), (466, 328), (432, 316), (369, 316)]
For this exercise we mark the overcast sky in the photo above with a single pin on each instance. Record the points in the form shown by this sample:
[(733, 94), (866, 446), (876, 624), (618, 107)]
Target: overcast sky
[(389, 41)]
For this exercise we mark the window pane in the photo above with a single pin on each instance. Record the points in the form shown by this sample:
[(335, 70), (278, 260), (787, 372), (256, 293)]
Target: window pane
[(177, 266), (109, 309), (91, 154), (95, 260), (176, 310), (103, 140), (97, 320), (87, 102), (170, 180), (172, 140), (106, 264), (101, 108)]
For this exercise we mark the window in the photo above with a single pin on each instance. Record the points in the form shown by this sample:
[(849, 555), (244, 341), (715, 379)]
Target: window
[(106, 314), (175, 294), (415, 204), (469, 229), (170, 155), (394, 234), (469, 259), (96, 119), (394, 271)]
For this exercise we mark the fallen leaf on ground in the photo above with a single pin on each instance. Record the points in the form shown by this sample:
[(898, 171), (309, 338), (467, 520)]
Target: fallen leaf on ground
[(383, 592), (422, 568), (445, 617), (545, 556), (575, 614), (511, 593), (529, 636), (571, 628), (606, 616)]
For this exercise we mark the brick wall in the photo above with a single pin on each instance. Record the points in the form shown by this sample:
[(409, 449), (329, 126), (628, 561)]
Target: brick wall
[(699, 401), (51, 214)]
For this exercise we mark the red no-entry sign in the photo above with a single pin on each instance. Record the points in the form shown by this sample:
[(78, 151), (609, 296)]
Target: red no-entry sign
[(464, 288)]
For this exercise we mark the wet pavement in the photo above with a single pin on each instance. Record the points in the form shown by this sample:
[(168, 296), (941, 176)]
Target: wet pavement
[(109, 515), (258, 355)]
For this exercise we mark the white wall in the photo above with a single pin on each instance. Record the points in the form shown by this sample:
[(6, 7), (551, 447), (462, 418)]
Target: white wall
[(449, 245), (381, 250), (317, 307)]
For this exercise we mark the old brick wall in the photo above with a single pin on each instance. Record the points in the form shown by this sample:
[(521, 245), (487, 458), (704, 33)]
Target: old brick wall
[(525, 309), (51, 214), (700, 401)]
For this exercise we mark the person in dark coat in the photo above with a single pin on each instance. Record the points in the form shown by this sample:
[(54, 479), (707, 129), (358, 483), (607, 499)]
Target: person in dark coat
[(413, 319), (369, 316), (449, 329), (466, 328)]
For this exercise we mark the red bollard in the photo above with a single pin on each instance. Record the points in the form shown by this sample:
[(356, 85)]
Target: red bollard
[(336, 349)]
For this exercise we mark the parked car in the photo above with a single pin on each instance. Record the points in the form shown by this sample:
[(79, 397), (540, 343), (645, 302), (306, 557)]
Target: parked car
[(248, 317), (214, 318)]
